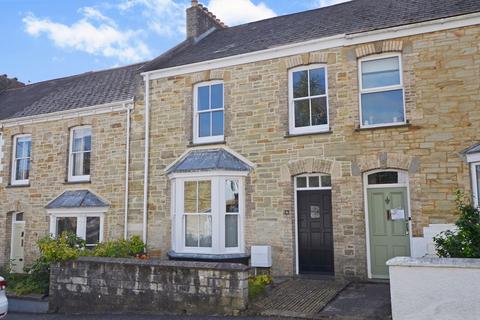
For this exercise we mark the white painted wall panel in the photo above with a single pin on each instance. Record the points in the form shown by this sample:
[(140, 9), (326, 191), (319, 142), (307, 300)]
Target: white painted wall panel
[(435, 288)]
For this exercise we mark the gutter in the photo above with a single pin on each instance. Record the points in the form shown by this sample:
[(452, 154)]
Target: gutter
[(66, 114), (147, 154), (128, 108)]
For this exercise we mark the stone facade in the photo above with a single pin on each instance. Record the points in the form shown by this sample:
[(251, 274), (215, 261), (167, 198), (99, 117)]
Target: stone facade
[(442, 95), (48, 176), (440, 75), (101, 285)]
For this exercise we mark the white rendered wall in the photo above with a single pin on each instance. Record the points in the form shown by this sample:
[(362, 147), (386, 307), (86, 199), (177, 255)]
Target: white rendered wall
[(435, 288), (422, 246)]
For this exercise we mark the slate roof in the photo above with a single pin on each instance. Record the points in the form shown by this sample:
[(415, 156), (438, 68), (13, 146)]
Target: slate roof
[(208, 160), (345, 18), (84, 90), (76, 199)]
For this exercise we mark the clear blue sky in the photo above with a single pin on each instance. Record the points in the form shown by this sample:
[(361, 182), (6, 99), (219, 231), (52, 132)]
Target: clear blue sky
[(46, 39)]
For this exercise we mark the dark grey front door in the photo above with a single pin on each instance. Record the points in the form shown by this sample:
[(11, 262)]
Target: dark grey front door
[(315, 234)]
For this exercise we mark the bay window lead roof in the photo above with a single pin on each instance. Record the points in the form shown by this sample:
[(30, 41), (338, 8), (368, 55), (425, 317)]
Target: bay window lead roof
[(209, 160), (472, 149), (77, 199)]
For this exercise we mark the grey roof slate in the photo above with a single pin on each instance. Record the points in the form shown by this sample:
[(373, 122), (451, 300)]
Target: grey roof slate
[(472, 149), (208, 160), (345, 18), (84, 90), (76, 199)]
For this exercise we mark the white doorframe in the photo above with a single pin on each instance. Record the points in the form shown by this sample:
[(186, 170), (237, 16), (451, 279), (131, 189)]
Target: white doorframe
[(14, 222), (295, 189), (404, 184)]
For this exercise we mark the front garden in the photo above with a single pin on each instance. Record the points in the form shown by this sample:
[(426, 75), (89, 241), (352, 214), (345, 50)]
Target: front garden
[(36, 278)]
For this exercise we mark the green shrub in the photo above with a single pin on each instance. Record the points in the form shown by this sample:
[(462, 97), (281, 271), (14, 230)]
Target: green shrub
[(256, 285), (37, 277), (465, 241), (66, 247), (120, 248)]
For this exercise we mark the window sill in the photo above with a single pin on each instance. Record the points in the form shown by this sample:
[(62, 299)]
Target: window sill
[(18, 185), (78, 182), (230, 257), (291, 135), (199, 144), (403, 125)]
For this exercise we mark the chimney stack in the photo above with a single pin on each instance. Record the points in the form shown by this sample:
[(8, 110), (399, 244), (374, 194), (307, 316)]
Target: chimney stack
[(9, 83), (200, 20)]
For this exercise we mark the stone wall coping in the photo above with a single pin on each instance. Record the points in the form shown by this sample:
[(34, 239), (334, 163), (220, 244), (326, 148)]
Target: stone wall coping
[(434, 262), (222, 266)]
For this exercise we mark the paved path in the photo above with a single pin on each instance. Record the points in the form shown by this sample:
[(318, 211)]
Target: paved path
[(299, 298), (19, 316), (360, 301)]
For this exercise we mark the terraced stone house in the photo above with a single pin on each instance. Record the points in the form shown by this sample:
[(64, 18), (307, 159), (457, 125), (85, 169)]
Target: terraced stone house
[(64, 159), (336, 136)]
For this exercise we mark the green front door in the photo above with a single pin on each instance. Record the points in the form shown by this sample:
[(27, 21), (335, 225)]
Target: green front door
[(388, 230)]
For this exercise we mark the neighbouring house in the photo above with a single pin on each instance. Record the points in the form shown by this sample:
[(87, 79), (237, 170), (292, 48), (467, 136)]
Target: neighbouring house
[(64, 159), (336, 136)]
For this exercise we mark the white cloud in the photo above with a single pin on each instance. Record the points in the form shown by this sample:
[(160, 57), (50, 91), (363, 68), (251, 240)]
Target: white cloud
[(164, 17), (326, 3), (94, 14), (239, 11), (94, 34)]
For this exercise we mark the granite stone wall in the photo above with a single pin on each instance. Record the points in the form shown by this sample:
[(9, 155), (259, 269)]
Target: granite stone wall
[(103, 285)]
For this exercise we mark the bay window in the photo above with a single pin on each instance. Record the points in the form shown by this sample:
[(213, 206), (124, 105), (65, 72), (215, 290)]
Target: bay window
[(22, 145), (80, 154), (381, 91), (207, 213), (208, 124), (308, 102)]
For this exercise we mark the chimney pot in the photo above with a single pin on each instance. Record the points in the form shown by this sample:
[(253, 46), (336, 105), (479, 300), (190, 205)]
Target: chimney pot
[(194, 3)]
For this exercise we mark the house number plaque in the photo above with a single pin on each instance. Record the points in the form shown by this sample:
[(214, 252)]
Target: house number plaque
[(314, 212)]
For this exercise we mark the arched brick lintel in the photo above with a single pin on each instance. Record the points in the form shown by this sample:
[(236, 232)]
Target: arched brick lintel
[(385, 160), (307, 165)]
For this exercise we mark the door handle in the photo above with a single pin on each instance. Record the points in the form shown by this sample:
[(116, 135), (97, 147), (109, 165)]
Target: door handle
[(407, 227), (389, 215)]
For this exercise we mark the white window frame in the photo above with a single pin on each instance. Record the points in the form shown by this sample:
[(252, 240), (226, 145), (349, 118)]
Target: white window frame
[(14, 181), (308, 187), (475, 186), (381, 89), (71, 177), (81, 214), (218, 203), (291, 105), (196, 116), (474, 161)]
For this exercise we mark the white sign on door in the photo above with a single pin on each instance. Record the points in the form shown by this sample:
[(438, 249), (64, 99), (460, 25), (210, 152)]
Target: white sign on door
[(398, 214)]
